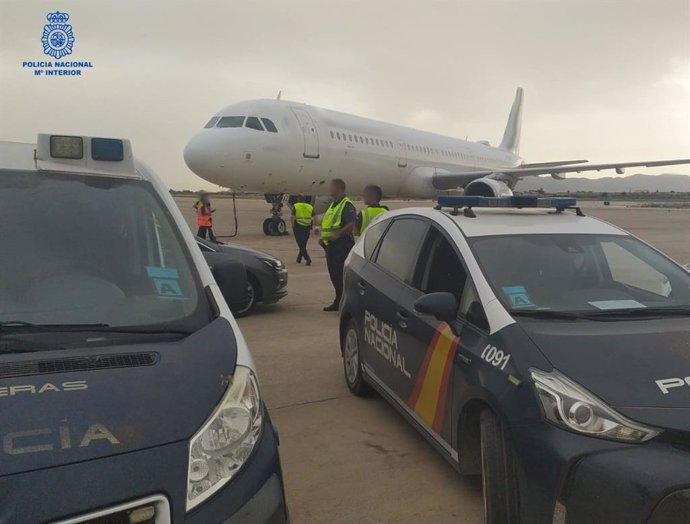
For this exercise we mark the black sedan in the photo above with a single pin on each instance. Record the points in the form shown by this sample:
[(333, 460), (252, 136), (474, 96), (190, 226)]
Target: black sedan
[(266, 275)]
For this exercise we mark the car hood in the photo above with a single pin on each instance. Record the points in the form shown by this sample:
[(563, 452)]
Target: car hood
[(50, 418), (620, 361), (235, 249)]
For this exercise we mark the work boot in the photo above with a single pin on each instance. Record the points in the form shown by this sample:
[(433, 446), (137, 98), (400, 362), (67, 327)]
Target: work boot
[(332, 307), (309, 261), (299, 260)]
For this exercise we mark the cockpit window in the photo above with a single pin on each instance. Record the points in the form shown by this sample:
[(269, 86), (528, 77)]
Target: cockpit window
[(270, 126), (253, 123), (231, 121), (212, 122)]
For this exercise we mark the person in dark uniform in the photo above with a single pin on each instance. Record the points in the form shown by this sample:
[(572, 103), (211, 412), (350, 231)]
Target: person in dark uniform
[(336, 236), (302, 220)]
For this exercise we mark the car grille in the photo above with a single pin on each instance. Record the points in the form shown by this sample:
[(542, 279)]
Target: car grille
[(68, 364), (152, 510)]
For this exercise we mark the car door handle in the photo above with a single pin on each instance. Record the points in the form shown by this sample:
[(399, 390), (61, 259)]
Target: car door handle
[(464, 361)]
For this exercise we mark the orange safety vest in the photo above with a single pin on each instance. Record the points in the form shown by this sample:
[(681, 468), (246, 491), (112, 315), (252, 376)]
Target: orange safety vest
[(201, 219)]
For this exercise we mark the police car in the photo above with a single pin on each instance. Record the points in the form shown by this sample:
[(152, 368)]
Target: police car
[(543, 349), (127, 392)]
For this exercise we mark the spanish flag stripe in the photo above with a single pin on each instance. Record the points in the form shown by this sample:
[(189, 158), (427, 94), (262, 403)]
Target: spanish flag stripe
[(423, 369), (428, 398), (443, 393)]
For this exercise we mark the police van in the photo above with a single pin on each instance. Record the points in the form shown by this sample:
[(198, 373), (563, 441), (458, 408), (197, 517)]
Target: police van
[(543, 349), (127, 393)]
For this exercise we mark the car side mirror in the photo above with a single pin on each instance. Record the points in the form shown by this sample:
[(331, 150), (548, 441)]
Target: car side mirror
[(231, 277), (442, 305)]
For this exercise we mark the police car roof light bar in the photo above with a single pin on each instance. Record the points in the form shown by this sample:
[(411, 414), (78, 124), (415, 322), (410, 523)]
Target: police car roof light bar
[(520, 201)]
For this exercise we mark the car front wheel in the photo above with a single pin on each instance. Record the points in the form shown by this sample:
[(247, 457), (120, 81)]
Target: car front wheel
[(498, 476), (252, 294), (352, 362)]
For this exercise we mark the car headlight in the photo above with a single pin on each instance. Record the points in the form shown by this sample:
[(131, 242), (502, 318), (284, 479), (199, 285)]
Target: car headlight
[(274, 263), (569, 405), (223, 444)]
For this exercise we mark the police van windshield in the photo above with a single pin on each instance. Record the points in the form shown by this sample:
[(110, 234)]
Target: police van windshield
[(580, 273), (93, 250)]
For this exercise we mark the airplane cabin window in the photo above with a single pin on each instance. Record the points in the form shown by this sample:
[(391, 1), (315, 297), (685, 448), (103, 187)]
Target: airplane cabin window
[(253, 123), (350, 137), (367, 139), (231, 121), (212, 122), (338, 135), (332, 134), (270, 126)]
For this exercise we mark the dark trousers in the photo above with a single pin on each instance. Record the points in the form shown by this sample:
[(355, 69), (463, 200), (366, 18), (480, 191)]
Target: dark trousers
[(206, 229), (336, 253), (302, 237)]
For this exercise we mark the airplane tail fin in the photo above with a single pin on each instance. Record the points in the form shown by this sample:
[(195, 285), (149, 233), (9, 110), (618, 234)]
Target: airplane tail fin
[(511, 137)]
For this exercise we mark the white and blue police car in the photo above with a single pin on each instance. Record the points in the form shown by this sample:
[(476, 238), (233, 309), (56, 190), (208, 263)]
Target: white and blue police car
[(543, 349)]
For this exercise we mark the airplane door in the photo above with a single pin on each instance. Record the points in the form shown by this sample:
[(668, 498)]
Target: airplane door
[(311, 137), (402, 154)]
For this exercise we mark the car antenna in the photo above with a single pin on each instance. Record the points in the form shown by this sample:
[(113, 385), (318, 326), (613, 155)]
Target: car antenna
[(279, 93)]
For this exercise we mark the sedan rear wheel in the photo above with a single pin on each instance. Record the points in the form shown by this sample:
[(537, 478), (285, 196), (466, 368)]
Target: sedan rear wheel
[(352, 363)]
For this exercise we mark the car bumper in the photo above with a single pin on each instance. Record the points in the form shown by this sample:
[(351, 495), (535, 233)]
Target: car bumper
[(275, 287), (254, 496), (567, 478)]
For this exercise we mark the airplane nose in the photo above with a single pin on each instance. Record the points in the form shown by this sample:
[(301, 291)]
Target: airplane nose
[(197, 156)]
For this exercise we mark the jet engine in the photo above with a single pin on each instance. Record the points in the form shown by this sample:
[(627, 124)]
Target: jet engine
[(488, 187)]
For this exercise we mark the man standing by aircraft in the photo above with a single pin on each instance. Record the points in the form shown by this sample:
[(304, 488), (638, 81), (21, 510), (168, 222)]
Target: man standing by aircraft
[(203, 217), (372, 199), (336, 236), (302, 219)]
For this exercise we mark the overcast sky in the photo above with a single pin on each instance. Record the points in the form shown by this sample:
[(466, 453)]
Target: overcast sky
[(605, 80)]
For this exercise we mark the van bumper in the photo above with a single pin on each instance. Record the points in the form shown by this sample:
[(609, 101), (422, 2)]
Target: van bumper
[(567, 478), (254, 496)]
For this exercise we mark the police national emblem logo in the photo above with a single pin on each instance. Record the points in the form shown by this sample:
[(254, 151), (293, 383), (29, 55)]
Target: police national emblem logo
[(58, 37)]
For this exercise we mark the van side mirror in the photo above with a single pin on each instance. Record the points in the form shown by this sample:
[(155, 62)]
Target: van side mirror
[(231, 277), (442, 305)]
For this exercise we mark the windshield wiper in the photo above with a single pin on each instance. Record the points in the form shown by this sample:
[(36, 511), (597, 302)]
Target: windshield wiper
[(640, 312), (15, 326), (546, 313)]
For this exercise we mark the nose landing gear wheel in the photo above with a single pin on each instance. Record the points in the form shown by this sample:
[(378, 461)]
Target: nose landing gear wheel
[(275, 227)]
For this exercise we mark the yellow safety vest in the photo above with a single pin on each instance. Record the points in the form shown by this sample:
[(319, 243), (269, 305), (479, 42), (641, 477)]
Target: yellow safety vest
[(304, 213), (331, 219), (368, 214)]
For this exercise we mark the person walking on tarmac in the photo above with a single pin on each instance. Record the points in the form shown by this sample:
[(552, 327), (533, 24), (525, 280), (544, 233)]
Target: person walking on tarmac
[(302, 219), (336, 236), (372, 199), (203, 217)]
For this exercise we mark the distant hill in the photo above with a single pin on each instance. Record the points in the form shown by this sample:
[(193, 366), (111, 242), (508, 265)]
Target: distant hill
[(628, 184)]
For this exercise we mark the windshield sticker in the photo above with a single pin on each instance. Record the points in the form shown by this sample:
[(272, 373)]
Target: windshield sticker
[(518, 297), (166, 281), (617, 304)]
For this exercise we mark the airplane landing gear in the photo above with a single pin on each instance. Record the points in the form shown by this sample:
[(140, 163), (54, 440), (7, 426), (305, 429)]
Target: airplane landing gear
[(275, 225)]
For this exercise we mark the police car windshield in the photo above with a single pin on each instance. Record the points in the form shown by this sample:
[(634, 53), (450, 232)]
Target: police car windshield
[(86, 250), (580, 273)]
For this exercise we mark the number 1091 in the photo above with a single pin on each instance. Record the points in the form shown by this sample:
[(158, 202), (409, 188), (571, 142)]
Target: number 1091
[(495, 357)]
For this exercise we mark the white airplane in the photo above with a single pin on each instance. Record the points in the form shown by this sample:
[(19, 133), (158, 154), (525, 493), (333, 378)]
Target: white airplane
[(283, 148)]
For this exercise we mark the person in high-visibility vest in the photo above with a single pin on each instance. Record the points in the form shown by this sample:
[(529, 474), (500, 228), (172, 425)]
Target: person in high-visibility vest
[(203, 217), (337, 226), (372, 198), (302, 220)]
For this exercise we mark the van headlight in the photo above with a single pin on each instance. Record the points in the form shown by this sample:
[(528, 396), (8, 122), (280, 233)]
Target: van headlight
[(226, 440), (569, 405)]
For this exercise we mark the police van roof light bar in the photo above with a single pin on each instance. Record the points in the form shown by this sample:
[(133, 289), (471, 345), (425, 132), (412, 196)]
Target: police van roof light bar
[(457, 202)]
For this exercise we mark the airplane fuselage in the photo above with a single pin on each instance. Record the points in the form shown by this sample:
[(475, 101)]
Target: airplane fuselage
[(313, 145)]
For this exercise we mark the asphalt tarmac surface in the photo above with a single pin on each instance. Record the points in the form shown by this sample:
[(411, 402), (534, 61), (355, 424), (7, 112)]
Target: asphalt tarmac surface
[(352, 460)]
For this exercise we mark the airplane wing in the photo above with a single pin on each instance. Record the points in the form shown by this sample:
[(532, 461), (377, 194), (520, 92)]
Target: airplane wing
[(510, 176)]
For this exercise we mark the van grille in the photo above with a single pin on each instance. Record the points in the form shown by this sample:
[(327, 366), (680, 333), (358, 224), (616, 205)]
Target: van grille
[(69, 364)]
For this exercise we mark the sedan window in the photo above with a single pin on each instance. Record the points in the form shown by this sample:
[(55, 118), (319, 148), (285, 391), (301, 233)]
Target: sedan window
[(398, 251)]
